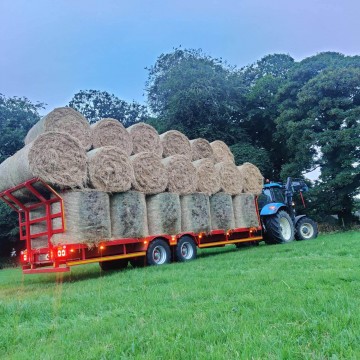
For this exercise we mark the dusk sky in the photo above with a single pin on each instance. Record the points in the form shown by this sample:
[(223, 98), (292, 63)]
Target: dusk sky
[(52, 49)]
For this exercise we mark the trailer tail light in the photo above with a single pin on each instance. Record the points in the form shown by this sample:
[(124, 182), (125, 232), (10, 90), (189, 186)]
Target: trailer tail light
[(61, 252), (23, 256)]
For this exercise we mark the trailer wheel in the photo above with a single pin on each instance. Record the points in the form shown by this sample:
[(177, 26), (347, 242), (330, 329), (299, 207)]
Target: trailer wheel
[(279, 228), (306, 229), (158, 252), (185, 249), (113, 265)]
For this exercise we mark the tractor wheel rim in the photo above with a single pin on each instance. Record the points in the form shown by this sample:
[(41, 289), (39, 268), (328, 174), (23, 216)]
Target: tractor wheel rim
[(306, 230), (159, 255), (285, 229), (186, 250)]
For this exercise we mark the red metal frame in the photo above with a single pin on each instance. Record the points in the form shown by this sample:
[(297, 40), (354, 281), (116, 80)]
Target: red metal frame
[(60, 258)]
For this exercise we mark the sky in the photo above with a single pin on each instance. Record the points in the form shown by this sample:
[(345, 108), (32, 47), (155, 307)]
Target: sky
[(51, 49)]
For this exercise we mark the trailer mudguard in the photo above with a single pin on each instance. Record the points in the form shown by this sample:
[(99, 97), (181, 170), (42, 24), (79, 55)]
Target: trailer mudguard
[(271, 209)]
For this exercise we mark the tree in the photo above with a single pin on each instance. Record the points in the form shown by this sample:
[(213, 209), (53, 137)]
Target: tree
[(17, 116), (96, 105), (196, 94)]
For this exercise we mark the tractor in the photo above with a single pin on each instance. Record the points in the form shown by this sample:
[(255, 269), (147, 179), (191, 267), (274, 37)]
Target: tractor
[(278, 215)]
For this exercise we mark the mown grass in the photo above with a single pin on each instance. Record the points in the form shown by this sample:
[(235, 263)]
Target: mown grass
[(296, 301)]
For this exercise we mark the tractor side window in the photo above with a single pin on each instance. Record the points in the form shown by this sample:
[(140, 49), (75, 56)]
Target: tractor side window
[(264, 198), (278, 195)]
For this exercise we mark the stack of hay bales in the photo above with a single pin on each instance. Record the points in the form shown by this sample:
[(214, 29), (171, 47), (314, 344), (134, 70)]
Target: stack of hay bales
[(131, 183)]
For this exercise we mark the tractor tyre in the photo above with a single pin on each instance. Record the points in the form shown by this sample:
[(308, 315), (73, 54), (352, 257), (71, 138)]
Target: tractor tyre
[(185, 249), (158, 252), (306, 229), (113, 264), (279, 228)]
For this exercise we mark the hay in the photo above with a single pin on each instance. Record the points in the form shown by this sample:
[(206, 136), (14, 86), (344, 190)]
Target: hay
[(200, 149), (110, 132), (221, 152), (230, 178), (164, 214), (175, 143), (145, 138), (66, 120), (245, 211), (253, 180), (182, 176), (57, 158), (150, 175), (42, 241), (128, 215), (208, 177), (87, 215), (195, 213), (109, 169), (222, 213)]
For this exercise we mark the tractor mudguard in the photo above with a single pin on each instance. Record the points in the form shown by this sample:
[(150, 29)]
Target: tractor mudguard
[(297, 218), (271, 209)]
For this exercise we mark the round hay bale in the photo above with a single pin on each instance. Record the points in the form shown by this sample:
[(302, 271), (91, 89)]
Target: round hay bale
[(182, 177), (253, 180), (128, 215), (110, 132), (145, 138), (55, 157), (64, 119), (195, 213), (245, 211), (164, 214), (109, 169), (87, 215), (175, 143), (222, 212), (150, 175), (208, 177), (230, 178), (200, 149), (221, 152)]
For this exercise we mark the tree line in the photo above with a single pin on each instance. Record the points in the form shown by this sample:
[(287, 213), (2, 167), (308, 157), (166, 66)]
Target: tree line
[(287, 117)]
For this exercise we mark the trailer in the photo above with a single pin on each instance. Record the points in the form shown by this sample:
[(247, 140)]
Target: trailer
[(115, 254)]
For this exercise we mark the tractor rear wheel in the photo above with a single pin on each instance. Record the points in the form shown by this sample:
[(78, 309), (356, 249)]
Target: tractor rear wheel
[(306, 229), (279, 228)]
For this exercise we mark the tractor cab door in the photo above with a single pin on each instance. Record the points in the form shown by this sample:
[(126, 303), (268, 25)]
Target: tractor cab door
[(271, 195)]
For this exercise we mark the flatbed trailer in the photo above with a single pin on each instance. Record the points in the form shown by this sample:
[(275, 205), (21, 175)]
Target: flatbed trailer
[(154, 250)]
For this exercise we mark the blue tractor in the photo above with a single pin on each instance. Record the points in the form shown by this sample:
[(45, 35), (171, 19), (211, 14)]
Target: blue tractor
[(278, 215)]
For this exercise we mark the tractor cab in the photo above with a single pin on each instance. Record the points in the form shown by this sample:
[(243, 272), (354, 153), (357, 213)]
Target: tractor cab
[(272, 193)]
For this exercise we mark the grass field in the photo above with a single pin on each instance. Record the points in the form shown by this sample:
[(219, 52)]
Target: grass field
[(295, 301)]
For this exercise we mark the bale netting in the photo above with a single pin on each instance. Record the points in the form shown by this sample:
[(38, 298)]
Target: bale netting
[(175, 143), (221, 151), (55, 157), (182, 176), (253, 180), (39, 227), (150, 175), (195, 213), (145, 138), (231, 180), (222, 212), (87, 215), (109, 169), (110, 132), (200, 149), (208, 177), (164, 213), (245, 211), (128, 215), (66, 120)]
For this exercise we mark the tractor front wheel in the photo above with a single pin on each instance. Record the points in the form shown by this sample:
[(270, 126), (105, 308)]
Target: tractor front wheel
[(306, 229), (279, 228)]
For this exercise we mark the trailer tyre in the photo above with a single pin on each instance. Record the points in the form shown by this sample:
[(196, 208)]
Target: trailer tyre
[(185, 249), (279, 228), (158, 252), (113, 265), (306, 229)]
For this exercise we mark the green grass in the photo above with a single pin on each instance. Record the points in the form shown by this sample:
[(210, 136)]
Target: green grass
[(295, 301)]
